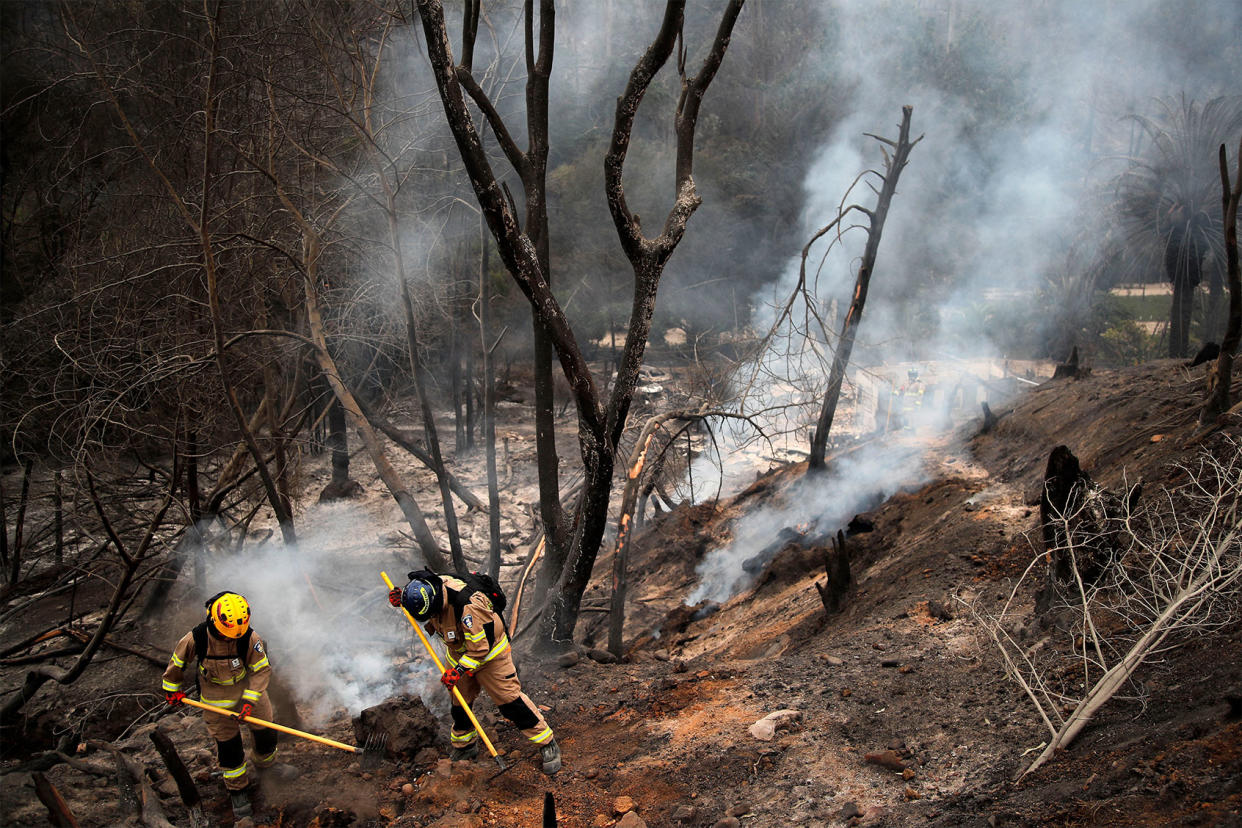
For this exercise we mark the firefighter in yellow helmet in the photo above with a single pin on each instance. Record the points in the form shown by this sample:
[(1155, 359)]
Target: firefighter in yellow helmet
[(233, 673)]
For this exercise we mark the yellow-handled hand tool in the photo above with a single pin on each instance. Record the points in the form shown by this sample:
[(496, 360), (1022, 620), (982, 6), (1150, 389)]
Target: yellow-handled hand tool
[(371, 753), (440, 666)]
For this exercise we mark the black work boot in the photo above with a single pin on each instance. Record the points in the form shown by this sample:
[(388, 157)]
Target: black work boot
[(551, 754), (241, 804), (464, 754)]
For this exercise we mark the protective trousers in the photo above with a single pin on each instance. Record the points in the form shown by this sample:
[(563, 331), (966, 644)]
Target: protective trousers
[(229, 746), (499, 678)]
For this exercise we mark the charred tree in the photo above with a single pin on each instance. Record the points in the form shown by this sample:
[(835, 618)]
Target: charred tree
[(417, 369), (14, 558), (572, 548), (1221, 377), (341, 485), (893, 165), (489, 408)]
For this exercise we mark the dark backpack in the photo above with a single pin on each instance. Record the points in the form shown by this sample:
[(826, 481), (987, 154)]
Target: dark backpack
[(200, 645), (486, 584)]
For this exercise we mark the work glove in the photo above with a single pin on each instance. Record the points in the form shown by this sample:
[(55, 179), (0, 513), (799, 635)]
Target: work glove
[(394, 596), (174, 698), (246, 709), (453, 675)]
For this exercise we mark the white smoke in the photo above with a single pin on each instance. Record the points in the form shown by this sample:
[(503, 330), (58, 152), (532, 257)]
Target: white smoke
[(876, 471), (1022, 112), (323, 610)]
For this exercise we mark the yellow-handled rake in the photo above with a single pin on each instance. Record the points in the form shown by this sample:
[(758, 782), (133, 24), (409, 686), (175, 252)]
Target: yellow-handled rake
[(456, 693), (371, 753)]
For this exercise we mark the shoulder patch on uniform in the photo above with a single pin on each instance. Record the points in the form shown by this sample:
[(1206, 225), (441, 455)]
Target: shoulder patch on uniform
[(467, 621), (258, 647)]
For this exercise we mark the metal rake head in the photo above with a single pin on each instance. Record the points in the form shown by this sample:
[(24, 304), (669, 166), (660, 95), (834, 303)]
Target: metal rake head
[(373, 749)]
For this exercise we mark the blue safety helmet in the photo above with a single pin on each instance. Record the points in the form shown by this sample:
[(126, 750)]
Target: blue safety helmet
[(419, 597)]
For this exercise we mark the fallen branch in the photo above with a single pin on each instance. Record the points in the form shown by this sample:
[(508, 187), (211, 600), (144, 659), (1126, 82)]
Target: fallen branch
[(180, 774), (156, 660), (131, 562), (58, 812), (136, 795), (400, 438), (1197, 594)]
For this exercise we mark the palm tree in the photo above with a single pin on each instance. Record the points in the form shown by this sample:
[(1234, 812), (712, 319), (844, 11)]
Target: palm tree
[(1168, 202)]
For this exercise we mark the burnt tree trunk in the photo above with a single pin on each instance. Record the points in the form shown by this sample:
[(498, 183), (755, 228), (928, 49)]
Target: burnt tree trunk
[(58, 518), (1218, 399), (1184, 265), (15, 552), (1083, 526), (194, 502), (893, 166), (338, 443), (1068, 369), (524, 251)]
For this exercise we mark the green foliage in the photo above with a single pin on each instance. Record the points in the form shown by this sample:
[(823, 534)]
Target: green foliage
[(1125, 343)]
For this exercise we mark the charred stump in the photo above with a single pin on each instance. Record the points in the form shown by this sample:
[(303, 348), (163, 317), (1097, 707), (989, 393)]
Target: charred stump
[(990, 419), (837, 568), (1068, 369), (1082, 525), (549, 810), (1207, 353)]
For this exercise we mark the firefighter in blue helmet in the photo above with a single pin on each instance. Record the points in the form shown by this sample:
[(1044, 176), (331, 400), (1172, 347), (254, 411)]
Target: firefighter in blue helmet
[(478, 656)]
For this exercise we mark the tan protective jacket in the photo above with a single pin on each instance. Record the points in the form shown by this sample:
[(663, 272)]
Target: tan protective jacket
[(224, 679), (478, 637)]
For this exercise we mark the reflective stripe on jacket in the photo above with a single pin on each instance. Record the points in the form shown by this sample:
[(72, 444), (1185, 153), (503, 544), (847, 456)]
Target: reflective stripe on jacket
[(478, 637), (223, 677)]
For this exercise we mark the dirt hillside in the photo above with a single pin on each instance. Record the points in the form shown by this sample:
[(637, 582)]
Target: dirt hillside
[(895, 711)]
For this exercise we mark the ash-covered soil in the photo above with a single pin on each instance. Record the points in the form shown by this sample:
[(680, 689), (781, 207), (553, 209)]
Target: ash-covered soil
[(895, 711)]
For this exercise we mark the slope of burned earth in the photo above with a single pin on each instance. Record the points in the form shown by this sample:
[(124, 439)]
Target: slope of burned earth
[(763, 711)]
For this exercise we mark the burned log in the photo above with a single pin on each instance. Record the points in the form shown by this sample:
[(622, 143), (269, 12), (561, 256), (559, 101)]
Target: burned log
[(754, 564), (136, 795), (58, 813), (180, 774)]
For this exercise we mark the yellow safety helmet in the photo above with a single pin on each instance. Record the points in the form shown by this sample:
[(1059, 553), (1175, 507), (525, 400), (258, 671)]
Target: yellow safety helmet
[(229, 614)]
